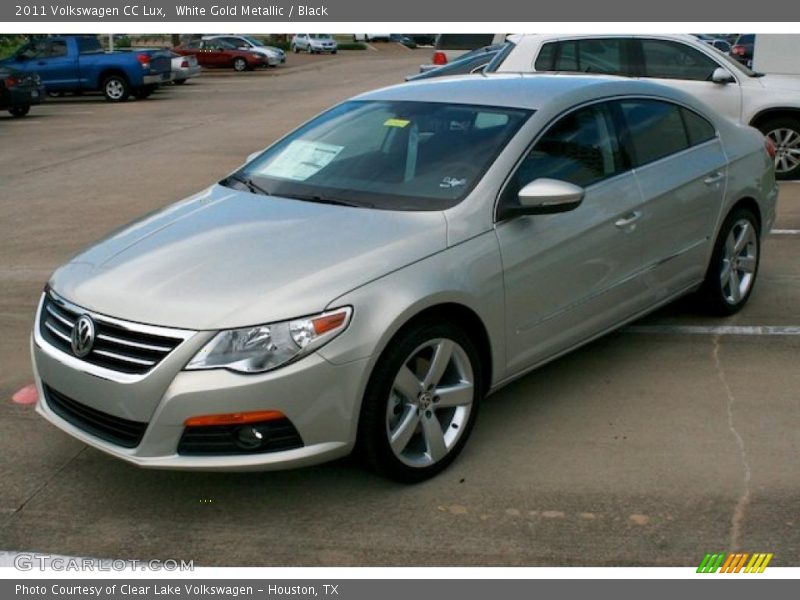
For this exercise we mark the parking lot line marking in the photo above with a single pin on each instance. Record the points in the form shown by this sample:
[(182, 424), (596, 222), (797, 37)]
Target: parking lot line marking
[(785, 232), (716, 329)]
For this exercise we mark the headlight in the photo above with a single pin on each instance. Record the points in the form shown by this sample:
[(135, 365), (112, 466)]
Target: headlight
[(266, 347)]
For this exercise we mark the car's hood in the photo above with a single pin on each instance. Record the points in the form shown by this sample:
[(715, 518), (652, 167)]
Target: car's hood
[(225, 258), (780, 82)]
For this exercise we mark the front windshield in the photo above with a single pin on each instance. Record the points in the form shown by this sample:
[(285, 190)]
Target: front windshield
[(252, 41), (319, 36), (386, 154)]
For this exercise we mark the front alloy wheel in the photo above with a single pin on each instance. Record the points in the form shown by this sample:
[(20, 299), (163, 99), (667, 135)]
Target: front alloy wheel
[(785, 134), (430, 403), (421, 403)]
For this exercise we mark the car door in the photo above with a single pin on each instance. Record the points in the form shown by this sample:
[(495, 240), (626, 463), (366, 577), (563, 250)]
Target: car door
[(571, 275), (215, 54), (48, 58), (677, 64), (681, 169)]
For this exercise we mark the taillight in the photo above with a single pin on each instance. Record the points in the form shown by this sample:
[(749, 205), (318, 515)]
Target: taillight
[(11, 82), (185, 64), (439, 58), (769, 145), (738, 50), (144, 60)]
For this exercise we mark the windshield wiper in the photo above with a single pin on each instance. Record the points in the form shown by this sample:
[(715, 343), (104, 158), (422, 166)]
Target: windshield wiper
[(249, 183), (319, 199)]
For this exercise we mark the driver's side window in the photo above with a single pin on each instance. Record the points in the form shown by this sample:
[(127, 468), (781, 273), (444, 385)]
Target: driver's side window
[(581, 148)]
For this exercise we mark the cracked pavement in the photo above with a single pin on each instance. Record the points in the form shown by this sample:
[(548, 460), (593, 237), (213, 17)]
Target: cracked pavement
[(639, 449)]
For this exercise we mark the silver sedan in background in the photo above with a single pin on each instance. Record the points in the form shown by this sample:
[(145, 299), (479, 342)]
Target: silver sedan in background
[(368, 279), (184, 67)]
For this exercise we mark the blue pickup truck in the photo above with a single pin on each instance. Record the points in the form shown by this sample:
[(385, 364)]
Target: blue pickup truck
[(76, 64)]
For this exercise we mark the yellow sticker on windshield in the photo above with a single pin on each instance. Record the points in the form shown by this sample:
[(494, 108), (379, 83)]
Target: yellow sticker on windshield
[(396, 122)]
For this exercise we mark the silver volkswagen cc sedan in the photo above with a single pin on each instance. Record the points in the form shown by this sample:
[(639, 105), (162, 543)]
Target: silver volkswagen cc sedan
[(366, 280)]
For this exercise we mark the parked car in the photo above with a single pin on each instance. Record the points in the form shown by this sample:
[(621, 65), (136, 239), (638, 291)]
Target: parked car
[(771, 103), (275, 56), (372, 37), (366, 280), (742, 49), (219, 54), (77, 64), (184, 67), (19, 91), (314, 43), (449, 46), (717, 42), (472, 62)]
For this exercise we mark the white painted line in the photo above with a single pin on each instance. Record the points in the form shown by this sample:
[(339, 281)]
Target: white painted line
[(715, 329), (785, 232)]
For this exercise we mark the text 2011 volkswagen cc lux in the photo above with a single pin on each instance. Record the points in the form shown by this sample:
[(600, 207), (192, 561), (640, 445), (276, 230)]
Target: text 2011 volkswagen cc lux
[(366, 280)]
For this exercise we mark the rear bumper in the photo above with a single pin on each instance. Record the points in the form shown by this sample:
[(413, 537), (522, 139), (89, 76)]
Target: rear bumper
[(187, 73), (156, 78)]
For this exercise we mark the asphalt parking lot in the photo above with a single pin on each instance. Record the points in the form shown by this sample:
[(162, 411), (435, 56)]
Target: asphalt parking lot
[(653, 446)]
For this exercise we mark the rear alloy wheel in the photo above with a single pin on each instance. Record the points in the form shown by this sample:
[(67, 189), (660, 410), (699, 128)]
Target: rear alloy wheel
[(734, 264), (785, 134), (239, 65), (116, 89), (421, 403), (19, 111)]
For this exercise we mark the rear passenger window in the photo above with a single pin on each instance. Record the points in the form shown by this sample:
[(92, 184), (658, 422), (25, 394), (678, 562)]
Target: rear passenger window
[(582, 149), (544, 62), (697, 128), (656, 129), (583, 56)]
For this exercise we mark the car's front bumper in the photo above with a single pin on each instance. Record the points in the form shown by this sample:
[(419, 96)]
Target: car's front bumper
[(319, 398)]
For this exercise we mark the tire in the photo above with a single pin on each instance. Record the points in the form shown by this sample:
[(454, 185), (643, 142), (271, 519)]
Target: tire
[(144, 93), (785, 134), (19, 111), (333, 51), (116, 88), (179, 81), (294, 49), (429, 430), (732, 273), (239, 65)]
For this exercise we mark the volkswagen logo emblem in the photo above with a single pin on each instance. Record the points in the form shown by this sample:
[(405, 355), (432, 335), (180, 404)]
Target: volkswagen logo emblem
[(82, 338)]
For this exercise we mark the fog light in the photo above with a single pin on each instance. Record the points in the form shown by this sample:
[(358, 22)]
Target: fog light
[(249, 437)]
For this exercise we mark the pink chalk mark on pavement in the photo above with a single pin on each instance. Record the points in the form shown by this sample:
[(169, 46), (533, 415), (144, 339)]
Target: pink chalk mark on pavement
[(26, 395)]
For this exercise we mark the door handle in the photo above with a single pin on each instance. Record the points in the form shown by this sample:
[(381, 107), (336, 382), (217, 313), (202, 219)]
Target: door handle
[(628, 219), (713, 178)]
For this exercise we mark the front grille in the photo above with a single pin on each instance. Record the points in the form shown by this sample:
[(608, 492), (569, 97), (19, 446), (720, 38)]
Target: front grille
[(218, 440), (117, 346), (107, 427)]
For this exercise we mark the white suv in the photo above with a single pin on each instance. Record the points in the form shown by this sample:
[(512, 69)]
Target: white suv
[(770, 103)]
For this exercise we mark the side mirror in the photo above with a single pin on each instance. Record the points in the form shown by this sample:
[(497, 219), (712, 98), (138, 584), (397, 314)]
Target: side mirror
[(722, 76), (546, 197), (251, 157)]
